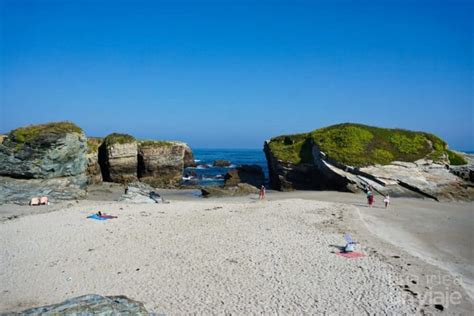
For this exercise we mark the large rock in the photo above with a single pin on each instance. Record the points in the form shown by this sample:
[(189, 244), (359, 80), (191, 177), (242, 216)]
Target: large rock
[(44, 151), (94, 174), (161, 163), (91, 304), (43, 160), (140, 193), (221, 163), (118, 158), (240, 189), (250, 174), (349, 157)]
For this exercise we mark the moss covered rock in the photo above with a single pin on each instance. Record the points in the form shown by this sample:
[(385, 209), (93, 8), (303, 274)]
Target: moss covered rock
[(44, 151), (361, 145), (349, 157)]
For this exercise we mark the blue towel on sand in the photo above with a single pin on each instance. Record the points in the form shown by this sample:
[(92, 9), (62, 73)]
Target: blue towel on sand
[(97, 217)]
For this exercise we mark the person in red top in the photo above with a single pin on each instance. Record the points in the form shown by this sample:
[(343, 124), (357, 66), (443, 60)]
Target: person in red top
[(261, 196)]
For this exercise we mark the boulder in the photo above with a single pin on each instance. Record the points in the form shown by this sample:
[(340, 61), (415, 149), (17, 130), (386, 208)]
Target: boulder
[(3, 137), (221, 163), (349, 157), (93, 172), (250, 174), (161, 163), (140, 193), (240, 189), (91, 304), (44, 151), (118, 158), (43, 160)]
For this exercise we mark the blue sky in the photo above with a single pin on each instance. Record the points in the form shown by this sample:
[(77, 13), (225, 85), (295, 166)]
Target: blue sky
[(223, 74)]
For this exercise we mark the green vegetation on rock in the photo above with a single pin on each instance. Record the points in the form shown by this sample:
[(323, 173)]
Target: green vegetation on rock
[(456, 159), (155, 143), (361, 145), (31, 133), (116, 138), (93, 144)]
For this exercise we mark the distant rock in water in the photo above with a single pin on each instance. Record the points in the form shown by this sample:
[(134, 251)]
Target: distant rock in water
[(47, 159), (349, 157), (221, 163), (91, 304), (161, 163), (118, 158), (250, 174)]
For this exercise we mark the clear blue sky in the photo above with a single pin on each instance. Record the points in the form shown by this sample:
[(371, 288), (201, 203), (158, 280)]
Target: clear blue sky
[(232, 74)]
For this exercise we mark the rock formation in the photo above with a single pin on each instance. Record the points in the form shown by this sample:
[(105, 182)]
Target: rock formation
[(188, 157), (237, 190), (91, 304), (250, 174), (139, 192), (349, 157), (118, 158), (94, 174), (161, 163), (221, 163), (47, 159)]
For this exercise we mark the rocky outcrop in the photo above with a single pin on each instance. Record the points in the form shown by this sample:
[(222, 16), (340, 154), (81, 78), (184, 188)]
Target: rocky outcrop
[(20, 191), (140, 193), (250, 174), (44, 151), (161, 163), (91, 304), (466, 172), (240, 189), (43, 160), (93, 172), (299, 163), (221, 163), (118, 158), (188, 157)]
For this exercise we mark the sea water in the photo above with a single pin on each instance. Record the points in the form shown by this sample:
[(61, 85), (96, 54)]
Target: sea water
[(206, 174)]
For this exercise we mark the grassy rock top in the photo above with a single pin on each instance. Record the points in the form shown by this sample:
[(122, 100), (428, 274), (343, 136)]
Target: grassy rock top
[(155, 143), (361, 145), (93, 144), (116, 138), (32, 133)]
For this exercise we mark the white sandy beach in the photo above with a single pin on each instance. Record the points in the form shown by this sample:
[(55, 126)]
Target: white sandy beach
[(217, 256)]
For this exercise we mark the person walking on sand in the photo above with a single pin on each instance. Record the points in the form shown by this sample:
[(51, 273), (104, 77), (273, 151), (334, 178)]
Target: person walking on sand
[(370, 198), (261, 195), (386, 200)]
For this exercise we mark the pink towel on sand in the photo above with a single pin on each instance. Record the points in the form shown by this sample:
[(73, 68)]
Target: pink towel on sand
[(350, 255)]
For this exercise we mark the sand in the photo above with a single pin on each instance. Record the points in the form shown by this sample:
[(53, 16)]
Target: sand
[(236, 255)]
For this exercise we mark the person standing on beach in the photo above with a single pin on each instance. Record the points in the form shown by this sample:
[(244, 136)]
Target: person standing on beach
[(370, 198), (261, 196), (386, 200)]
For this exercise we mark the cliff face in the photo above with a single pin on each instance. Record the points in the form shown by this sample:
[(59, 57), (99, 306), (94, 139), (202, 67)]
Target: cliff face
[(47, 159), (349, 157), (118, 158), (161, 163), (93, 172)]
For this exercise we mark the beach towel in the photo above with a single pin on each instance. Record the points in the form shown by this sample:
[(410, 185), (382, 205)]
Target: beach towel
[(101, 218), (350, 255)]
